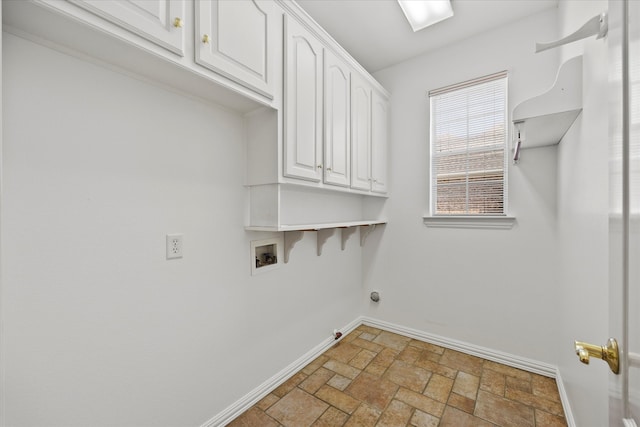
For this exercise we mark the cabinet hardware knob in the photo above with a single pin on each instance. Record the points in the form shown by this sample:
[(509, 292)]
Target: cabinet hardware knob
[(328, 169), (319, 166), (206, 39), (178, 23)]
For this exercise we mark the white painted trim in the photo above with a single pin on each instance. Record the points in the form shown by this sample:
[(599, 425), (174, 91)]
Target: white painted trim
[(514, 361), (3, 369), (493, 222), (564, 398), (628, 422), (254, 396)]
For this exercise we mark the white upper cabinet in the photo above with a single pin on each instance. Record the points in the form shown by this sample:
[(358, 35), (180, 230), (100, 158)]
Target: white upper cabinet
[(159, 21), (316, 122), (379, 143), (303, 103), (237, 39), (315, 117), (369, 143), (360, 134), (337, 121)]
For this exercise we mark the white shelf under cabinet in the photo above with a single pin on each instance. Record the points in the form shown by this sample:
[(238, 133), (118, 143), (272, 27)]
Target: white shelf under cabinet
[(314, 227), (545, 119), (294, 210), (294, 233)]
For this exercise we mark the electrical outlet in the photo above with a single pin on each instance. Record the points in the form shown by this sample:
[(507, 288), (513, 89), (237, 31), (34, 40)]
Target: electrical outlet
[(174, 246)]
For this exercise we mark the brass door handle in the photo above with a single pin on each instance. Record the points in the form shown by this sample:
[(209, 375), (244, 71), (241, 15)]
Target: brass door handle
[(609, 353)]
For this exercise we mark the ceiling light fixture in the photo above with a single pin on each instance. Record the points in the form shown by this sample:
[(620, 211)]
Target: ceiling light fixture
[(422, 13)]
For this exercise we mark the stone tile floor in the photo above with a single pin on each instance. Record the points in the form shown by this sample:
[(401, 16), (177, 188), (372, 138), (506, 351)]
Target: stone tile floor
[(377, 378)]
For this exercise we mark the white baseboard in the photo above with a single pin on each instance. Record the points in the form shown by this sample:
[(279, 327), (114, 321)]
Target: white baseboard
[(514, 361), (564, 398), (253, 397), (525, 364), (529, 365)]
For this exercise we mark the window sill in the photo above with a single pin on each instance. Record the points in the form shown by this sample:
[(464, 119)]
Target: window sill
[(494, 222)]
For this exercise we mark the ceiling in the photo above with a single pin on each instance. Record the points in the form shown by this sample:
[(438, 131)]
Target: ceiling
[(377, 34)]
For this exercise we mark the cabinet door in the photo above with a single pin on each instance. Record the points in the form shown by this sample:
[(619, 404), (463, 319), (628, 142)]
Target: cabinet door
[(379, 143), (236, 39), (360, 134), (303, 103), (159, 21), (337, 118)]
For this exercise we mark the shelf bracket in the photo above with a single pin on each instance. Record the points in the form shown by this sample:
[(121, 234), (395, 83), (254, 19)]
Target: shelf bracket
[(518, 143), (290, 240), (365, 230), (597, 26), (346, 233), (322, 236)]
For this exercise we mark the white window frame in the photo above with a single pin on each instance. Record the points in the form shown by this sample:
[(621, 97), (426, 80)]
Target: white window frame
[(499, 221)]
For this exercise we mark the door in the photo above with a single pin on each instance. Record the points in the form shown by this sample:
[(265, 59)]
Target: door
[(360, 134), (159, 21), (303, 103), (624, 125), (379, 142), (337, 121), (236, 39)]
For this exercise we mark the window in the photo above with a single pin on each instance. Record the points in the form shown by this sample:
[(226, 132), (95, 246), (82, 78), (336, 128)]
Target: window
[(468, 148)]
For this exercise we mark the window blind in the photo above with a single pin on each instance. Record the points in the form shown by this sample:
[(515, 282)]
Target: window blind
[(468, 140)]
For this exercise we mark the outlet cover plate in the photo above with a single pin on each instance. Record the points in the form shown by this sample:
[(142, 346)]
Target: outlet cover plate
[(174, 246)]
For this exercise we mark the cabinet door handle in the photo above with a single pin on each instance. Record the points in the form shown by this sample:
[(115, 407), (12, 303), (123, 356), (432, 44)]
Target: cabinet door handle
[(328, 169), (178, 23), (206, 39), (319, 166)]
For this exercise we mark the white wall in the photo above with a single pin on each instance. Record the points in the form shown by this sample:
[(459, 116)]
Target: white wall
[(493, 288), (100, 329), (533, 290), (583, 223)]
